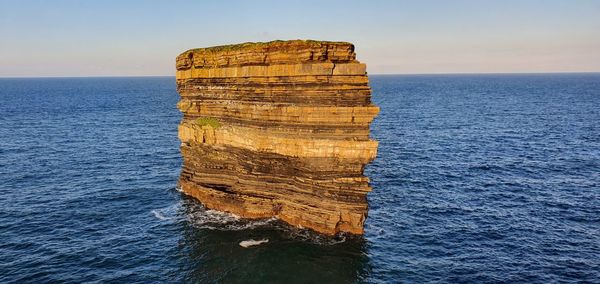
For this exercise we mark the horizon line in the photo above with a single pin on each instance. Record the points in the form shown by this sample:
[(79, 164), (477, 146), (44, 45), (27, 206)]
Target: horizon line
[(374, 74)]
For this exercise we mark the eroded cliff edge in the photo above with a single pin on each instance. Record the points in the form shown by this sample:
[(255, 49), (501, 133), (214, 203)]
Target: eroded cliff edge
[(278, 129)]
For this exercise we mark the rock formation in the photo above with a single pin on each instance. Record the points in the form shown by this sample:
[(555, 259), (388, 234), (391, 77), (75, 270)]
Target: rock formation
[(278, 129)]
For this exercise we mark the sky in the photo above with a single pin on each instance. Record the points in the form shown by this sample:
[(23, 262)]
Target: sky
[(142, 38)]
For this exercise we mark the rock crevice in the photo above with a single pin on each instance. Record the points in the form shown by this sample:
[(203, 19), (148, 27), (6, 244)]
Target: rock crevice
[(278, 129)]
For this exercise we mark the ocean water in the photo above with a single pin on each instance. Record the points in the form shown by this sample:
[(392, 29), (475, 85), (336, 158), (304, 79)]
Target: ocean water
[(479, 178)]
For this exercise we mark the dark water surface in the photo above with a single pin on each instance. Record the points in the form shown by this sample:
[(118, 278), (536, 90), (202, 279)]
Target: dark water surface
[(479, 178)]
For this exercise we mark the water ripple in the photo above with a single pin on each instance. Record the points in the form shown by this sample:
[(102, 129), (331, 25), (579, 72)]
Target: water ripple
[(490, 178)]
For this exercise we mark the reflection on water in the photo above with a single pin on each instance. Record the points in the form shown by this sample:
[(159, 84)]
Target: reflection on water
[(211, 251)]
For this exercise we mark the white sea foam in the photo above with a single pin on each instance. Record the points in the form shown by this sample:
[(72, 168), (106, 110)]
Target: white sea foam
[(203, 218), (167, 213), (217, 220), (159, 215), (249, 243)]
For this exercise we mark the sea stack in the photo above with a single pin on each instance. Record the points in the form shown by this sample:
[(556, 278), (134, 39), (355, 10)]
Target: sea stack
[(278, 129)]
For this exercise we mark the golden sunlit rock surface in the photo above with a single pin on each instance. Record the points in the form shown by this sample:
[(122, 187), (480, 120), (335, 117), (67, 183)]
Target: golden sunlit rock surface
[(278, 129)]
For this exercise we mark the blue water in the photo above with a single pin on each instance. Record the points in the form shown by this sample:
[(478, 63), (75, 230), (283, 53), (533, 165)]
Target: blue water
[(479, 178)]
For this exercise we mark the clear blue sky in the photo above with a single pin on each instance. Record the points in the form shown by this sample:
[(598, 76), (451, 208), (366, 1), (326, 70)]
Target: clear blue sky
[(121, 38)]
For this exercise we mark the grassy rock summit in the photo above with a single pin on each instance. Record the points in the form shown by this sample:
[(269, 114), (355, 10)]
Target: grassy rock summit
[(278, 129)]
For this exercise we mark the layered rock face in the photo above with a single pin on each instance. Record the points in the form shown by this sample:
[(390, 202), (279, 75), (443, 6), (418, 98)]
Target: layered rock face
[(278, 129)]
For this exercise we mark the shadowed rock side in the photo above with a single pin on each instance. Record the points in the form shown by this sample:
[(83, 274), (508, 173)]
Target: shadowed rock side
[(278, 129)]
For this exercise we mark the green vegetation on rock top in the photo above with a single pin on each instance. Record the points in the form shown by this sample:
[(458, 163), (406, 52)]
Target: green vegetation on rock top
[(249, 45), (212, 122)]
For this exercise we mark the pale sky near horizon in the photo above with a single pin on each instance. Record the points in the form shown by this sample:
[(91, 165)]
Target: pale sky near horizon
[(141, 38)]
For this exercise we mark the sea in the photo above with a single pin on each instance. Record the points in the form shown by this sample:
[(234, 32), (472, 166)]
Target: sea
[(489, 178)]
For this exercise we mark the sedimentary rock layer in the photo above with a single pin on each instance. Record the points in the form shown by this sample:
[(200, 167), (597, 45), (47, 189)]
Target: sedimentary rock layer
[(278, 129)]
